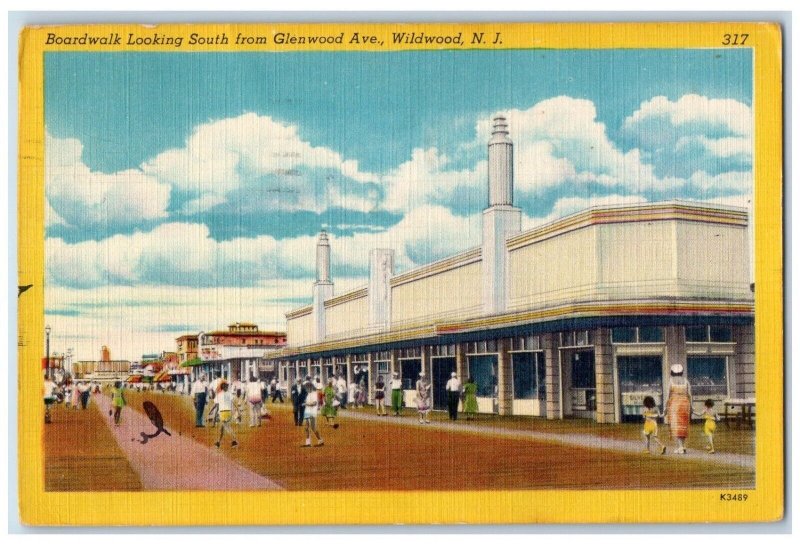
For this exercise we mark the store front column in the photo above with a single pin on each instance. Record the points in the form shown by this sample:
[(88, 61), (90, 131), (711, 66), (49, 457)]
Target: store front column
[(742, 370), (552, 376), (505, 385), (604, 376), (371, 382), (349, 365), (425, 359), (462, 369)]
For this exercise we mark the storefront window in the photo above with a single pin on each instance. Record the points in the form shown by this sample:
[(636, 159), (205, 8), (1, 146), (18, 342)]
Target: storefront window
[(704, 334), (623, 335), (707, 376), (648, 334), (639, 376), (697, 334), (529, 375), (651, 335), (410, 373), (483, 369), (721, 334)]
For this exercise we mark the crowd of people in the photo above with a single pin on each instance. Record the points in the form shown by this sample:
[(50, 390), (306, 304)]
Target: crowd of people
[(220, 402), (73, 394)]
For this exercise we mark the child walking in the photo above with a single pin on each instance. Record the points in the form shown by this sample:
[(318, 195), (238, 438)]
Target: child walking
[(710, 425), (225, 404), (650, 430)]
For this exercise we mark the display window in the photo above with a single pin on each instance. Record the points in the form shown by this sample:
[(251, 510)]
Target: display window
[(639, 376), (707, 375), (529, 375), (483, 369)]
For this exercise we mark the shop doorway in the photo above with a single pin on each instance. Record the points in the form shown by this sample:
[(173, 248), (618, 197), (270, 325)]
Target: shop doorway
[(441, 369), (639, 376), (580, 396)]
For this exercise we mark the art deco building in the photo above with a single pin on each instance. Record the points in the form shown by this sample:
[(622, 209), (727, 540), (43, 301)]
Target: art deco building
[(582, 316)]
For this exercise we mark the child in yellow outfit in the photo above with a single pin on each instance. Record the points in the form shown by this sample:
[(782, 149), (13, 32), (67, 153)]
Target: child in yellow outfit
[(650, 430), (710, 425)]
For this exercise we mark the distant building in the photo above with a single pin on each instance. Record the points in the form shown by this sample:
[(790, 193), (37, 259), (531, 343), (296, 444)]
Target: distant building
[(236, 352), (104, 369), (187, 348), (580, 317)]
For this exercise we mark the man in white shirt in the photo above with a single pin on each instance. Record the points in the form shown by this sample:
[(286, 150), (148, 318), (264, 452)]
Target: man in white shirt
[(453, 389), (83, 394), (50, 389), (199, 393)]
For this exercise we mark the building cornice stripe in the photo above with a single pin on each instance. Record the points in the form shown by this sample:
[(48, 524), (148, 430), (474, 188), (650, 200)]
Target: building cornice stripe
[(600, 309), (299, 312), (664, 212), (346, 297), (444, 265)]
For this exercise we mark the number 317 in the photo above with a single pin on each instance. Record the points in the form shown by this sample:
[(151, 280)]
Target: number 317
[(734, 39)]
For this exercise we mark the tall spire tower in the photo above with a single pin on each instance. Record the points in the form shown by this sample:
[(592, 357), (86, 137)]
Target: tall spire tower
[(323, 287), (501, 165), (500, 219)]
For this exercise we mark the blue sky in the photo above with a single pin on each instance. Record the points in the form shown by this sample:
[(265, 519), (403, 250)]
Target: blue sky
[(196, 172)]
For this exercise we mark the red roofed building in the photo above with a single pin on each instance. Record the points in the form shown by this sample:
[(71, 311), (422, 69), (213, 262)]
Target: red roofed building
[(236, 353)]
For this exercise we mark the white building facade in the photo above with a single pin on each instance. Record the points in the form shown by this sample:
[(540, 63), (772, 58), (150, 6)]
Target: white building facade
[(580, 317)]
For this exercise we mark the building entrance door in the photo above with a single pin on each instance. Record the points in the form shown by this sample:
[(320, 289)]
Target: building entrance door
[(579, 374), (442, 367), (639, 376)]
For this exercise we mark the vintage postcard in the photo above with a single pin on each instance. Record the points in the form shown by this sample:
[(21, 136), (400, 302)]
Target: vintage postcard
[(400, 274)]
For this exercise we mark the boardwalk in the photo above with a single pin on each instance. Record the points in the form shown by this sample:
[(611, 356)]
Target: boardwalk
[(582, 440), (176, 462), (368, 452)]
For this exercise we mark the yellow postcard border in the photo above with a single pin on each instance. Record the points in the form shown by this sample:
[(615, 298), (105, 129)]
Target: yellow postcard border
[(765, 503)]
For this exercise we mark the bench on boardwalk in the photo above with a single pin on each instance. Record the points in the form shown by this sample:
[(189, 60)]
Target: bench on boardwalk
[(741, 410)]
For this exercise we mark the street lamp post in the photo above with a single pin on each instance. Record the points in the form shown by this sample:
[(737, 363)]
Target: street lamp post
[(47, 351)]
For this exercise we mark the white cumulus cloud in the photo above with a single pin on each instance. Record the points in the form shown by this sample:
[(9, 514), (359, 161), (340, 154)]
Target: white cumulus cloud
[(265, 157), (82, 198)]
